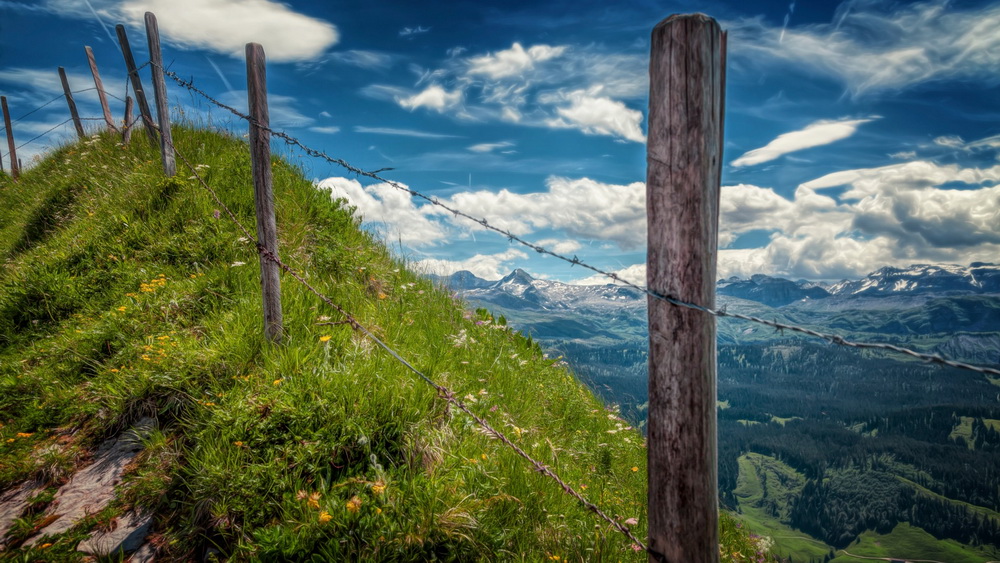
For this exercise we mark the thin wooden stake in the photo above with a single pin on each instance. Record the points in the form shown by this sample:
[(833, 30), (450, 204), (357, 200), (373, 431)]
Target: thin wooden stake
[(127, 128), (160, 95), (684, 153), (260, 157), (100, 89), (72, 105), (133, 73), (15, 170)]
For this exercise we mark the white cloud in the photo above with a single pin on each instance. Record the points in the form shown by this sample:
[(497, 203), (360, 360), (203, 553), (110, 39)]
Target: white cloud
[(513, 61), (363, 59), (486, 266), (402, 132), (391, 207), (43, 81), (433, 97), (904, 155), (635, 273), (815, 134), (410, 31), (226, 26), (599, 115), (326, 130), (873, 46), (560, 246), (489, 147)]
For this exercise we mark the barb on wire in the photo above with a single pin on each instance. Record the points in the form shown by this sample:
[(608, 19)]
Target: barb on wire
[(833, 338), (443, 392)]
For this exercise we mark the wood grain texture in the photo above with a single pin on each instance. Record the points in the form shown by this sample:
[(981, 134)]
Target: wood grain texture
[(260, 157), (682, 191), (15, 170), (133, 74), (72, 104), (127, 127), (110, 121), (160, 95)]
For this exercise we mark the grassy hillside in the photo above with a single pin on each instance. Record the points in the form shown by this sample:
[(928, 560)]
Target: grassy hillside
[(125, 294)]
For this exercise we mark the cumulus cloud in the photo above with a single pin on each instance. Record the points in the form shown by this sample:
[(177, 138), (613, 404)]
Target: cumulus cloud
[(486, 266), (599, 115), (635, 273), (869, 48), (433, 97), (513, 61), (560, 246), (815, 134), (226, 26), (388, 206)]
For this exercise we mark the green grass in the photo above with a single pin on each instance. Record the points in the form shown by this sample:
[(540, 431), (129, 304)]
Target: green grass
[(909, 542), (763, 513), (125, 294)]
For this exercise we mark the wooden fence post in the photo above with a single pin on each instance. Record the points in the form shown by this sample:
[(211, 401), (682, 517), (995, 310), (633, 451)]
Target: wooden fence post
[(100, 89), (133, 73), (71, 103), (127, 128), (160, 95), (15, 170), (260, 156), (684, 152)]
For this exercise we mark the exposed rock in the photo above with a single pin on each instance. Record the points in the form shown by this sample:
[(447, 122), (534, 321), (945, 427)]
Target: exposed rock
[(13, 503), (128, 535), (146, 554), (93, 487)]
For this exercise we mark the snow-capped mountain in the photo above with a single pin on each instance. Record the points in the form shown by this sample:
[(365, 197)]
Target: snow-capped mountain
[(770, 291), (947, 279)]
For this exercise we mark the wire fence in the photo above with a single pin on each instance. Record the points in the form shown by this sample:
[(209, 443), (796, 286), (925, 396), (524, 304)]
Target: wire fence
[(575, 261), (443, 392)]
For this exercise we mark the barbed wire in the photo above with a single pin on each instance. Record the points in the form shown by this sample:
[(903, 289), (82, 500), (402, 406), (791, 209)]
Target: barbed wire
[(26, 143), (444, 393), (575, 261), (4, 128)]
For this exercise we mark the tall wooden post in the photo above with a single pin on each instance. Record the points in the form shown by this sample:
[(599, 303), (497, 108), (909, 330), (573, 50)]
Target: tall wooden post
[(127, 127), (133, 73), (684, 153), (260, 157), (160, 95), (100, 89), (72, 105), (15, 170)]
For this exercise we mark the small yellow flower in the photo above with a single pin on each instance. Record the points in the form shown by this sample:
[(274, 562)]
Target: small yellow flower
[(24, 434), (354, 504), (278, 381), (382, 295), (9, 440), (378, 511), (45, 546), (483, 456), (238, 444), (313, 501), (114, 370), (325, 338), (325, 516), (634, 469), (122, 308), (377, 488)]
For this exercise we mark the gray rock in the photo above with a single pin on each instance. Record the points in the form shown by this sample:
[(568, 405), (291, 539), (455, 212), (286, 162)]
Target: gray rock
[(13, 503), (93, 487), (127, 536)]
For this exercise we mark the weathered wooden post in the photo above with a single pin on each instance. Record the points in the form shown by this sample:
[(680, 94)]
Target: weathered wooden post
[(160, 95), (15, 170), (72, 105), (133, 73), (260, 156), (127, 127), (684, 153), (100, 89)]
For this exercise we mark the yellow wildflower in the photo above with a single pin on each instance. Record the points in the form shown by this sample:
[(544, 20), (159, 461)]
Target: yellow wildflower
[(313, 501), (24, 434), (45, 546), (377, 488), (325, 516), (325, 338), (354, 504), (238, 444), (277, 381), (634, 469), (122, 308)]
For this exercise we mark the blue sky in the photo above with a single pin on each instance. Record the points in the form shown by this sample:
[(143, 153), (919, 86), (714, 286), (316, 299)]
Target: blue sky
[(858, 134)]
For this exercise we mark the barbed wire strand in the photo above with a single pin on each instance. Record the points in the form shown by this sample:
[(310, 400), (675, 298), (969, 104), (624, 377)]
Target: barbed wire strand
[(26, 143), (443, 392), (719, 313), (32, 111)]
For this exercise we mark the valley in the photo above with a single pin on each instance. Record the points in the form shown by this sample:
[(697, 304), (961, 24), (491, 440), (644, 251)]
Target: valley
[(823, 448)]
